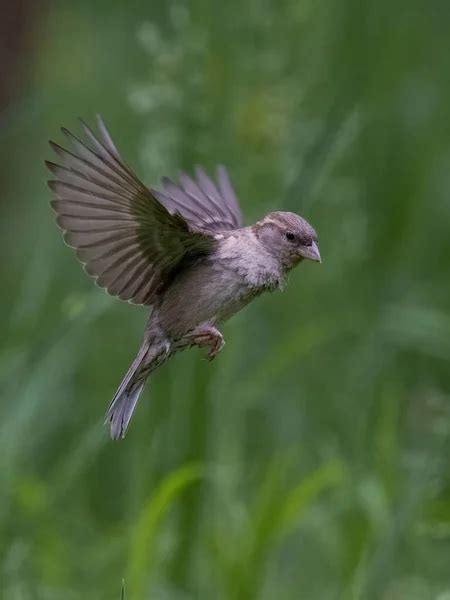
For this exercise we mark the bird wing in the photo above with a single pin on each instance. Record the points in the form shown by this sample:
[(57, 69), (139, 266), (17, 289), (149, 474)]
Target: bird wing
[(202, 202), (128, 240)]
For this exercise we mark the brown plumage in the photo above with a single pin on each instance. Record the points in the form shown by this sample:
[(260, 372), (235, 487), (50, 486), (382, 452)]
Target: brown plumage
[(182, 250)]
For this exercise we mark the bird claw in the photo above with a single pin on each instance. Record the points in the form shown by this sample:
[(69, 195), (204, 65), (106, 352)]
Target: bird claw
[(219, 343), (207, 336)]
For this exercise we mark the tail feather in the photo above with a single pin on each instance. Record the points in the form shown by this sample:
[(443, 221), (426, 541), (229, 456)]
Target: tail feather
[(125, 399), (120, 415)]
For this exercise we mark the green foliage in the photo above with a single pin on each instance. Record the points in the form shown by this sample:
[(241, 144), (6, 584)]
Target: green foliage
[(310, 460), (145, 532), (275, 513)]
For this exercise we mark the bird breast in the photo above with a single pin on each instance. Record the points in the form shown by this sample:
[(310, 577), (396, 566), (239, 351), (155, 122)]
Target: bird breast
[(217, 287)]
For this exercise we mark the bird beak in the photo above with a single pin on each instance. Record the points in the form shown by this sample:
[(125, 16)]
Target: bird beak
[(312, 252)]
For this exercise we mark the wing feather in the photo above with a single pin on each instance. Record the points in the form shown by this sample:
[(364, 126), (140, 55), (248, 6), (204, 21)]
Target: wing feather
[(228, 194), (201, 202), (126, 237)]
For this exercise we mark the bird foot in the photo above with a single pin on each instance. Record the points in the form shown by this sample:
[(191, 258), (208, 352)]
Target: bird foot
[(207, 336)]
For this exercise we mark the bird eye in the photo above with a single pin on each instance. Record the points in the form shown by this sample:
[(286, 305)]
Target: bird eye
[(290, 236)]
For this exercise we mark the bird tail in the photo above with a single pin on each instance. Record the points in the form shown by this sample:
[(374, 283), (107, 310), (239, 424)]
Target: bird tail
[(150, 356)]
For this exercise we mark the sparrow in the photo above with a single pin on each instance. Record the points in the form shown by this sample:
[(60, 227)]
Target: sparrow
[(181, 250)]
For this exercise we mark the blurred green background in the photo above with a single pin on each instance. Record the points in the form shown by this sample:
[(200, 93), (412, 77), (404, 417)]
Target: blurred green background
[(311, 459)]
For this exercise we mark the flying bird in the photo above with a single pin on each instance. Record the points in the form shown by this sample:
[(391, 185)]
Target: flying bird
[(182, 250)]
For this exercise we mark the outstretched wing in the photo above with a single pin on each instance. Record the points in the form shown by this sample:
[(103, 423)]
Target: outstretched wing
[(126, 238), (202, 202)]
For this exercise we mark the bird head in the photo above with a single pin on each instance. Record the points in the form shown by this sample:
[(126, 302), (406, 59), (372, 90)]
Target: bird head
[(288, 237)]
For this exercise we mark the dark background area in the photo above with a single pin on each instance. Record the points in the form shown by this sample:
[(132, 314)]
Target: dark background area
[(311, 459)]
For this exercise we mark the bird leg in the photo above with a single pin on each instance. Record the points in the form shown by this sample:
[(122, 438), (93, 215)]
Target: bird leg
[(205, 335)]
